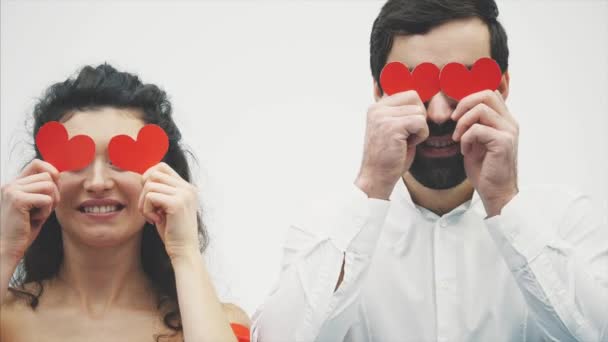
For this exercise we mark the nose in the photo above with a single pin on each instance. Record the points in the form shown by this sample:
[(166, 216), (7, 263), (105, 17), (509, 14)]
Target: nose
[(98, 178), (440, 108)]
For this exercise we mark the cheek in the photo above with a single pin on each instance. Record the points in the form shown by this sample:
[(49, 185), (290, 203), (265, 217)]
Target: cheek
[(70, 186), (130, 186)]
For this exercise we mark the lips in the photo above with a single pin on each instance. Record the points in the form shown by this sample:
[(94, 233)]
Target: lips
[(439, 146), (100, 206), (439, 142)]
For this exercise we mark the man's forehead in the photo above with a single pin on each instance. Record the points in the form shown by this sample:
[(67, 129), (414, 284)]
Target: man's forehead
[(463, 41)]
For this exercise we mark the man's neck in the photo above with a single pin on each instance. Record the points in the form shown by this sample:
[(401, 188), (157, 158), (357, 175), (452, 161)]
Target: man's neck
[(438, 201)]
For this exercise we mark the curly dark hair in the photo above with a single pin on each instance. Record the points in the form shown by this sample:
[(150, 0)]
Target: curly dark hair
[(401, 17), (92, 88)]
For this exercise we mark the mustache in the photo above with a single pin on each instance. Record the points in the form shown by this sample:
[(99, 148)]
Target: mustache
[(445, 128)]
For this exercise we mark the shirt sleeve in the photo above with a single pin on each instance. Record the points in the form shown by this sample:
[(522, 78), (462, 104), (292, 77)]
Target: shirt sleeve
[(556, 246), (306, 306)]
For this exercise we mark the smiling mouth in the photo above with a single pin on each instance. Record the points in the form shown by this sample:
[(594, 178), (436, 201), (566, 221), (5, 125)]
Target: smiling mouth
[(439, 143), (438, 147), (100, 209)]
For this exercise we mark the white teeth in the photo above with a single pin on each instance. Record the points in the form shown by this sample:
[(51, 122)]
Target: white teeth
[(100, 209), (440, 144)]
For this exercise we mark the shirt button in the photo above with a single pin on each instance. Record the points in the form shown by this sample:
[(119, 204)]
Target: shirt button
[(443, 223)]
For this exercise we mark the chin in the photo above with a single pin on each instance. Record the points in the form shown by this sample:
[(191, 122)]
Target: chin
[(103, 236), (439, 173)]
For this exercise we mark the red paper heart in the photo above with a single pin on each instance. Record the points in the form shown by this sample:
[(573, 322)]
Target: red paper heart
[(458, 82), (138, 155), (65, 155), (241, 332), (396, 77)]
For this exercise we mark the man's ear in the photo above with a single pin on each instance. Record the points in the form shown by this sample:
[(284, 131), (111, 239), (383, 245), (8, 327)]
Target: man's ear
[(377, 91), (503, 87)]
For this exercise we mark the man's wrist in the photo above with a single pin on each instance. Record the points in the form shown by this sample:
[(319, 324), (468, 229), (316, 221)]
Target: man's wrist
[(374, 188), (494, 205)]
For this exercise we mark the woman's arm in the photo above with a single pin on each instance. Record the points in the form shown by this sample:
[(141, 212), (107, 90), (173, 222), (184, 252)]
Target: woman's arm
[(203, 316), (172, 204), (25, 204), (8, 263)]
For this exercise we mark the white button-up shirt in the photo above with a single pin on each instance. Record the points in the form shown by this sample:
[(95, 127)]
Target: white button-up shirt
[(536, 272)]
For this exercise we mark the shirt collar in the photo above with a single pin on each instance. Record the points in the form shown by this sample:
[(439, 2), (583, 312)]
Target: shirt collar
[(402, 195), (406, 215)]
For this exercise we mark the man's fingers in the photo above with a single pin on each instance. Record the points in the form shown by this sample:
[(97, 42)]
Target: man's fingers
[(397, 111), (414, 128), (484, 115), (409, 97), (480, 134), (492, 99)]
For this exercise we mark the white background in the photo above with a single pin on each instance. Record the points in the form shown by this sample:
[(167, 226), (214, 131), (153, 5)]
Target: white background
[(271, 97)]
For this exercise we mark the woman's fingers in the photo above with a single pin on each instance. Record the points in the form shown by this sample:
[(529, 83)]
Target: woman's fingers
[(151, 186), (40, 166), (45, 187), (153, 202)]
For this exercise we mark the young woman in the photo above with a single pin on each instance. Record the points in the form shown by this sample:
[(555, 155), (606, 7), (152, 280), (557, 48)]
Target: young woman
[(107, 254)]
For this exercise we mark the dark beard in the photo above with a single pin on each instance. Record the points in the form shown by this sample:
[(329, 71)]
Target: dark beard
[(439, 173)]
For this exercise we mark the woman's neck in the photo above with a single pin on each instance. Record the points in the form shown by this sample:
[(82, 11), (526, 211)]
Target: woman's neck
[(99, 278)]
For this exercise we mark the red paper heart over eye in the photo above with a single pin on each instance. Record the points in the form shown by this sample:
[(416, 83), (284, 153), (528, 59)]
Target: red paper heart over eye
[(396, 77), (458, 82), (138, 155), (65, 155)]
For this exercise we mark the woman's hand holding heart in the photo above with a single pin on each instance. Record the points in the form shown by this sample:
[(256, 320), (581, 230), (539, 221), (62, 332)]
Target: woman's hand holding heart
[(171, 203), (124, 152)]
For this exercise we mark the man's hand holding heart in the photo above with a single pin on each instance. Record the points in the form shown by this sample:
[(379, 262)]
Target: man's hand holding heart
[(487, 131), (488, 136)]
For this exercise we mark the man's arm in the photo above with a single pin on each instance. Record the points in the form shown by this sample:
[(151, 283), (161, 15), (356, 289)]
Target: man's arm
[(325, 262), (323, 265), (557, 249)]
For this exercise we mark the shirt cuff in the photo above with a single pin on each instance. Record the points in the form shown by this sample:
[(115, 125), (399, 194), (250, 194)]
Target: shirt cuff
[(520, 231), (360, 221)]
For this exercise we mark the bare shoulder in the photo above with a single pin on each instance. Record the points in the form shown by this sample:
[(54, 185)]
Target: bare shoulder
[(236, 315), (15, 315), (9, 301), (17, 299)]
